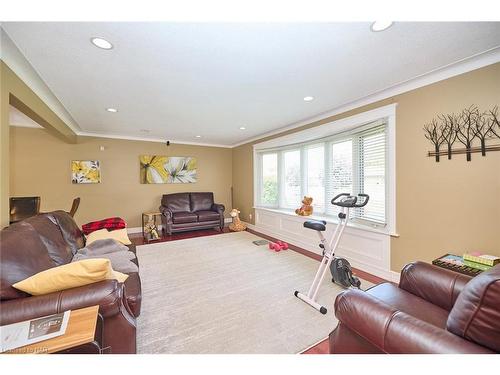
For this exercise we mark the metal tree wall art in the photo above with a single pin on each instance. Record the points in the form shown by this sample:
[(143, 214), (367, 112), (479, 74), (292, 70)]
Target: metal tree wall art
[(467, 127)]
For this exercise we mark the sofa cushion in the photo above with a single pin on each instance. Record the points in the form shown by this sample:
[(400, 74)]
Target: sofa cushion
[(50, 234), (410, 304), (208, 216), (201, 201), (133, 293), (119, 235), (476, 313), (68, 276), (185, 217), (22, 255), (178, 202), (70, 231)]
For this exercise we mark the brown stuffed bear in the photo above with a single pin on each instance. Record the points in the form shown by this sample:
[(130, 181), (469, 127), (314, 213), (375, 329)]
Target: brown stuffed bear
[(306, 208)]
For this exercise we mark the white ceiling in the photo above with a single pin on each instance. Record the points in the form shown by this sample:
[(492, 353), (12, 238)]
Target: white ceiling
[(179, 80)]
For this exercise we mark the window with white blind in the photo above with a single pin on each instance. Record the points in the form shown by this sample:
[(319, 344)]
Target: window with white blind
[(354, 161)]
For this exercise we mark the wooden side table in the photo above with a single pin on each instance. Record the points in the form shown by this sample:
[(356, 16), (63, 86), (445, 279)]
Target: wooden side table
[(80, 330), (155, 217)]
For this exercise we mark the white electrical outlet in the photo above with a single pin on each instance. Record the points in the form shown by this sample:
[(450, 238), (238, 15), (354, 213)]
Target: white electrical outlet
[(250, 216)]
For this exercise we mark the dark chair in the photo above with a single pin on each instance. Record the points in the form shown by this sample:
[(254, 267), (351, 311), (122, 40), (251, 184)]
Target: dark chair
[(74, 206), (23, 207), (433, 310)]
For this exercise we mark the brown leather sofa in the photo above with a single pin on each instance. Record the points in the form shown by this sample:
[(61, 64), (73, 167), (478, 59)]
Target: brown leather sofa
[(433, 310), (190, 211), (49, 240)]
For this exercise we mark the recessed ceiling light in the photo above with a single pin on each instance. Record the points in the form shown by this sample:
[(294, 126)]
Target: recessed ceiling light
[(381, 25), (242, 128), (101, 43), (112, 110), (198, 136), (308, 98), (145, 130)]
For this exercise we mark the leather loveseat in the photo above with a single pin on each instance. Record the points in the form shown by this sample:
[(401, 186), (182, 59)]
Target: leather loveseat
[(433, 310), (49, 240), (190, 211)]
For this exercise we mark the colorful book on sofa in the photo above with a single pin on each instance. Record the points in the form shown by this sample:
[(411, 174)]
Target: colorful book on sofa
[(488, 260)]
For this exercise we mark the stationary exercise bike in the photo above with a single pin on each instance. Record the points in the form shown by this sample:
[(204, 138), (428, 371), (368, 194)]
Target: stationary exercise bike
[(339, 267)]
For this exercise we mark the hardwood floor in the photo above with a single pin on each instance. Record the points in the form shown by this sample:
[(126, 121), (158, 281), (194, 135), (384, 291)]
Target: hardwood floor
[(137, 239), (322, 347)]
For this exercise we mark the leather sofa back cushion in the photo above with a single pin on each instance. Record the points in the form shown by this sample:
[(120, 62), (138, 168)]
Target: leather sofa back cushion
[(50, 234), (23, 254), (476, 313), (201, 201), (177, 202), (69, 229)]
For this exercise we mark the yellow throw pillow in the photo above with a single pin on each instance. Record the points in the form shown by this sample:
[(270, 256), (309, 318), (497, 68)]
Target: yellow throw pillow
[(71, 275), (119, 235)]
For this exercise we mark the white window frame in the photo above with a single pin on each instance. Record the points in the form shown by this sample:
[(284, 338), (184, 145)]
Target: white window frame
[(315, 135)]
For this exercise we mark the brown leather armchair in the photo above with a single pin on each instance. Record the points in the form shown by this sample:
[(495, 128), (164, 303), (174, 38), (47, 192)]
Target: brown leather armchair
[(190, 211), (49, 240), (432, 311)]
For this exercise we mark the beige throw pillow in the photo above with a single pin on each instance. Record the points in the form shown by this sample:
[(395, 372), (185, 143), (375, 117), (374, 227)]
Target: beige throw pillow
[(71, 275)]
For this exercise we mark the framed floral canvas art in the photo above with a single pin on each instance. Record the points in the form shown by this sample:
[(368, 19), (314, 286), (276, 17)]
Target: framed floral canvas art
[(85, 172), (158, 169)]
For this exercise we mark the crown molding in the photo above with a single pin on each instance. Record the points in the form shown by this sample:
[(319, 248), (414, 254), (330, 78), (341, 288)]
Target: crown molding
[(17, 62), (465, 65), (145, 139)]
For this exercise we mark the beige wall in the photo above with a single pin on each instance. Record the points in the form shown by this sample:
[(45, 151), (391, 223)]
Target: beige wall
[(13, 91), (451, 206), (40, 165)]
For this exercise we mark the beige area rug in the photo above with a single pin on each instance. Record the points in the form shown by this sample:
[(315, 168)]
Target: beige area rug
[(223, 294)]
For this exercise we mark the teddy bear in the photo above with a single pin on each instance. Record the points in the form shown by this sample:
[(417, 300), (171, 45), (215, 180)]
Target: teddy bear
[(306, 209)]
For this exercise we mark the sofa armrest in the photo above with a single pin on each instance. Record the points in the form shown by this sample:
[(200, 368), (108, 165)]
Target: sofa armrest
[(393, 331), (107, 294), (218, 208), (436, 285), (167, 212)]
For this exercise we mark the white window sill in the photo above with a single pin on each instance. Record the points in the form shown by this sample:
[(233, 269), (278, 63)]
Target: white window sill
[(329, 219)]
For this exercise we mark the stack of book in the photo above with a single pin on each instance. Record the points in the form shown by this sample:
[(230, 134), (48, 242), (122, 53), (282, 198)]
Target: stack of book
[(479, 259), (470, 264)]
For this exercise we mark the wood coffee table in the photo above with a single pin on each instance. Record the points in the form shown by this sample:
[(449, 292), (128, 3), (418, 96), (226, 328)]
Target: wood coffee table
[(80, 330)]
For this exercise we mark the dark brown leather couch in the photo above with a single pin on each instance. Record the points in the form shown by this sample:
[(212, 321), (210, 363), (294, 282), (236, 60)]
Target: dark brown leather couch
[(432, 311), (49, 240), (190, 211)]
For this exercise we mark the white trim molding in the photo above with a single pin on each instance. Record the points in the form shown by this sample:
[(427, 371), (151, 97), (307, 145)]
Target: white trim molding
[(365, 250), (387, 112)]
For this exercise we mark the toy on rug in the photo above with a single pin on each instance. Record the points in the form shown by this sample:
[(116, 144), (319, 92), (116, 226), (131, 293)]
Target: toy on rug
[(306, 209), (236, 225), (151, 229), (278, 246)]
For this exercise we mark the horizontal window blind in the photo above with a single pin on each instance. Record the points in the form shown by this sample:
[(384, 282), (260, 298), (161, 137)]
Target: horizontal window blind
[(351, 162), (372, 172)]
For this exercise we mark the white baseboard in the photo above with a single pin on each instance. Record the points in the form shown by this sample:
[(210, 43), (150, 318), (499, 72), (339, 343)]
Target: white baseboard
[(359, 264)]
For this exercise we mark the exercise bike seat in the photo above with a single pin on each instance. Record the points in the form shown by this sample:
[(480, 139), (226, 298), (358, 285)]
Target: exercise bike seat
[(319, 225)]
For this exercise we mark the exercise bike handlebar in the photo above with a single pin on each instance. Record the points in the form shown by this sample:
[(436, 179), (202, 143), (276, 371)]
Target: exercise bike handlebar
[(350, 201)]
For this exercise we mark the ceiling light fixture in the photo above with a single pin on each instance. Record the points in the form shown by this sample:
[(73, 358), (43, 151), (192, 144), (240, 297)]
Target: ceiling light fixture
[(112, 110), (381, 25), (308, 98), (101, 43), (198, 136), (242, 128)]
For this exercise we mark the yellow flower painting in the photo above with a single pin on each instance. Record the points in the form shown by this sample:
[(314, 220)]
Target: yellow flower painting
[(85, 172), (158, 169)]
